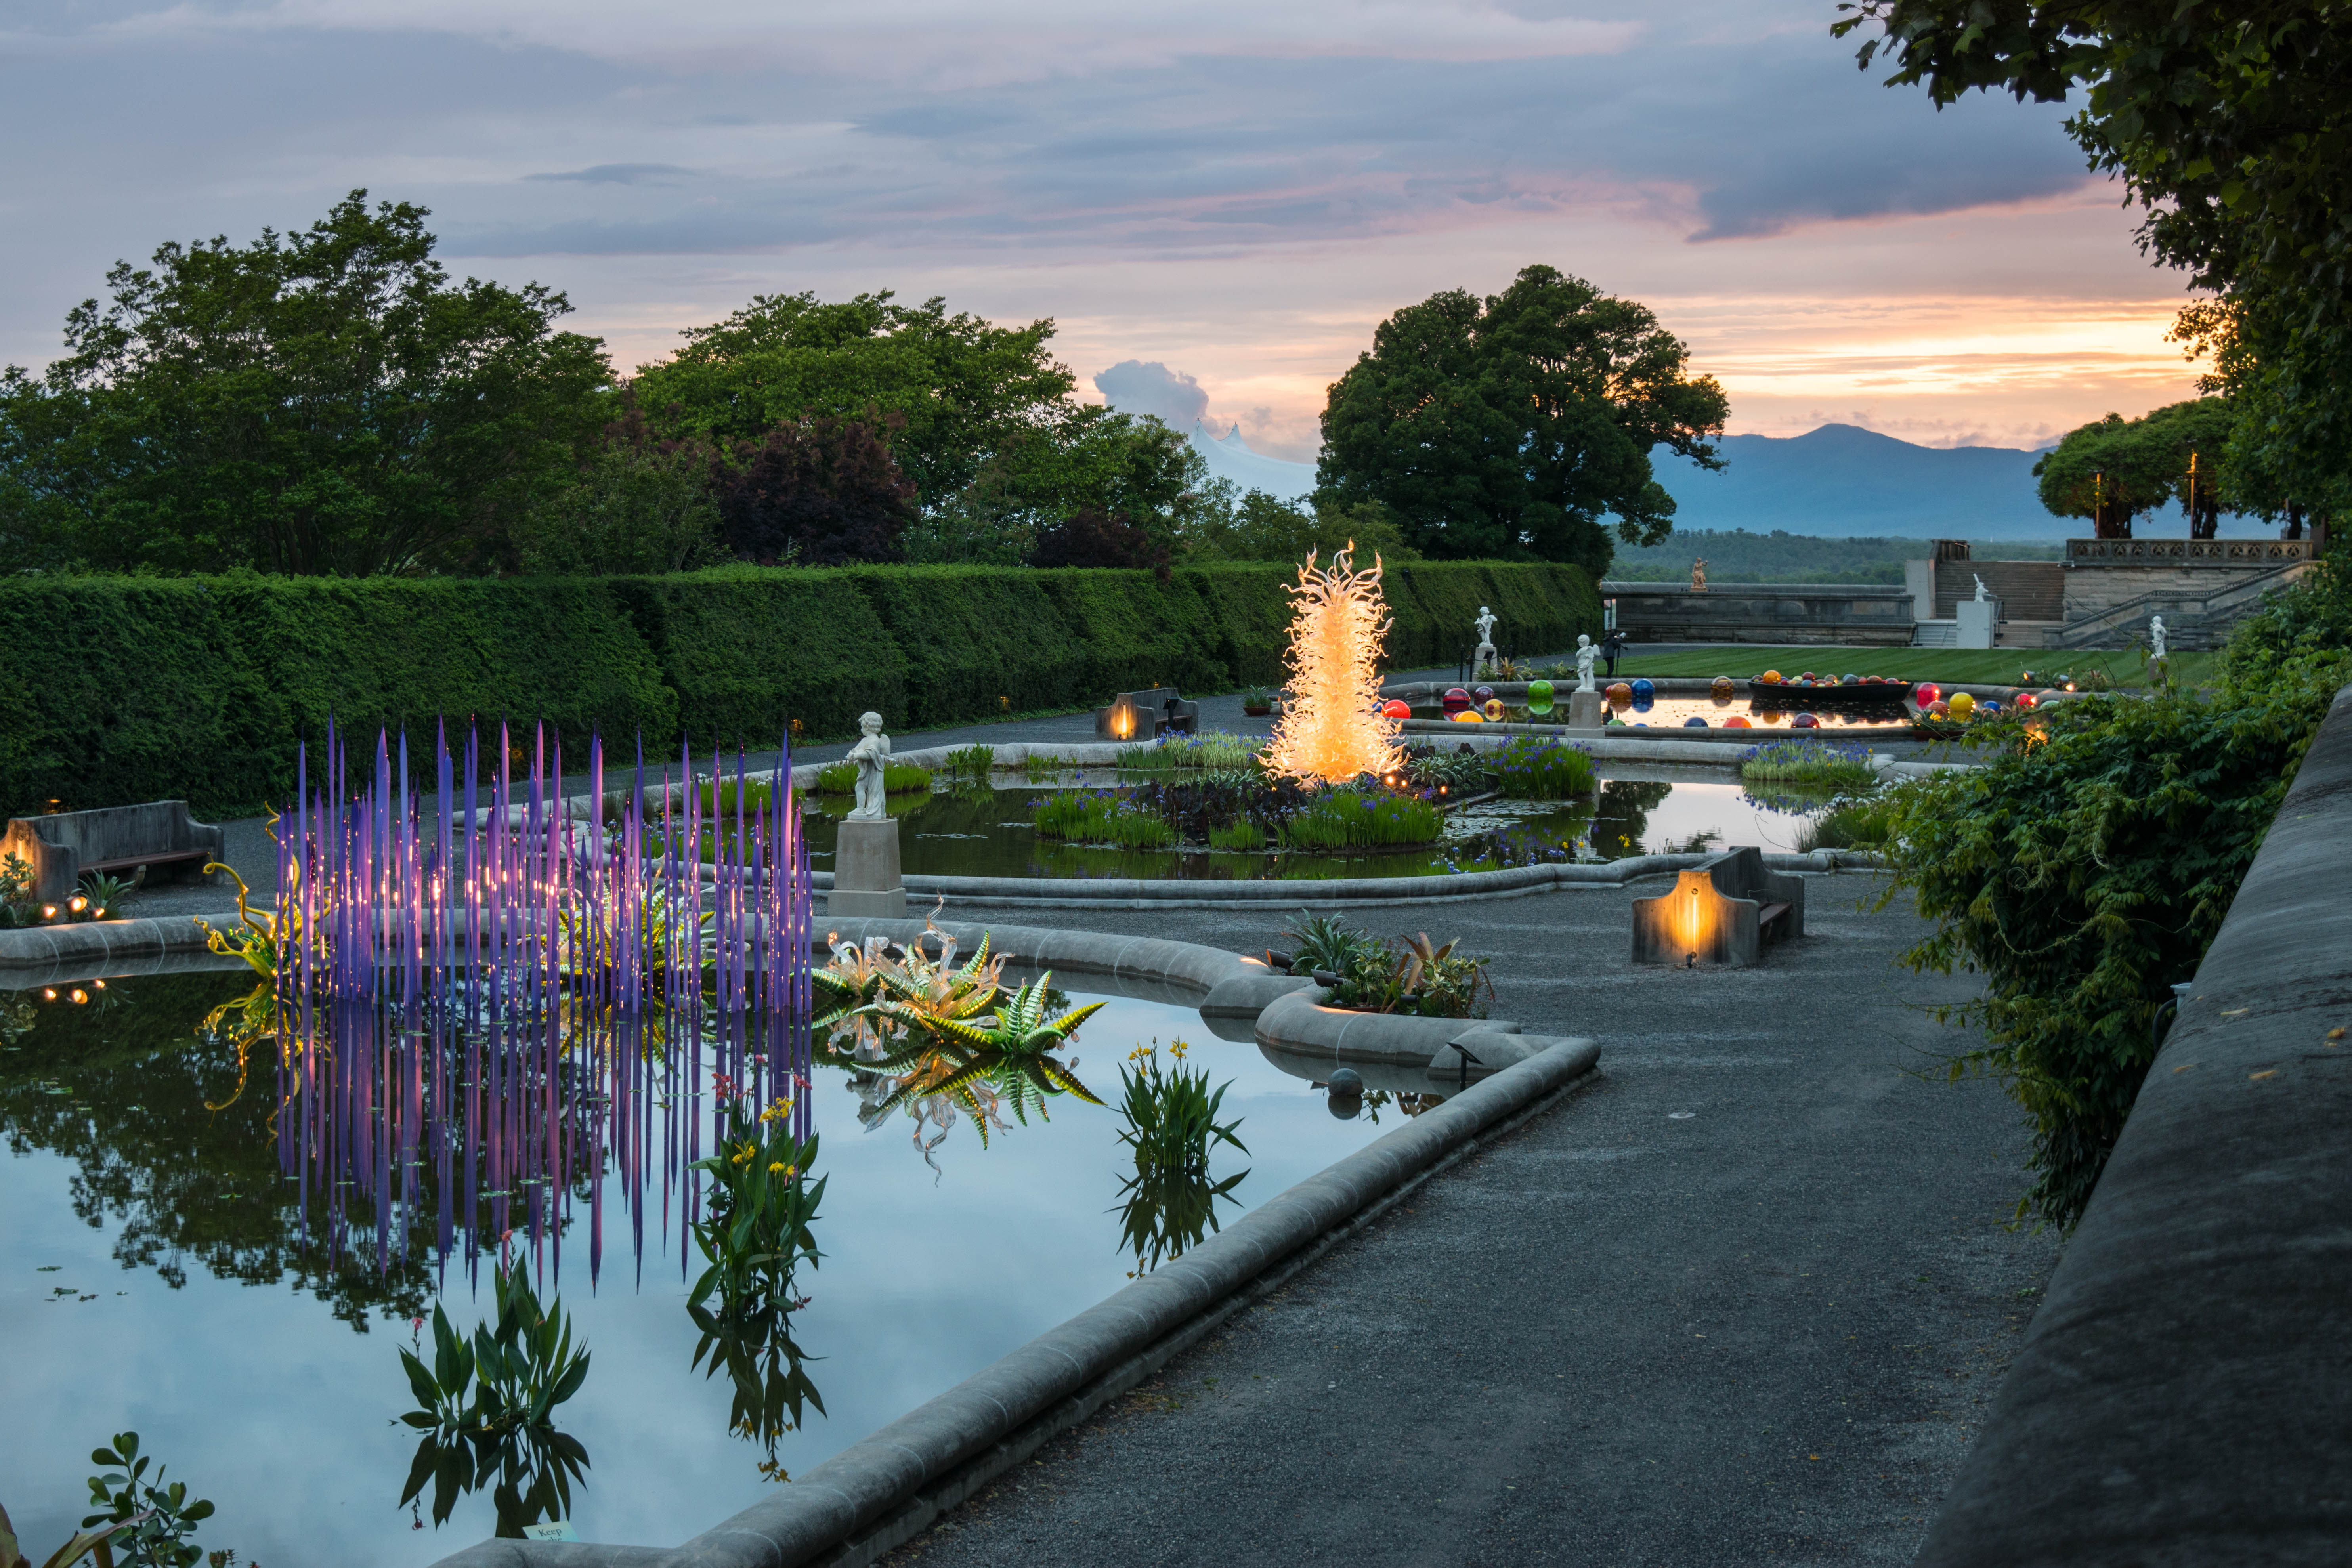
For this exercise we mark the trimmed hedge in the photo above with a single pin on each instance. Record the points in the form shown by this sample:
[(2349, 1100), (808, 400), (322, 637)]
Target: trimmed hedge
[(115, 689)]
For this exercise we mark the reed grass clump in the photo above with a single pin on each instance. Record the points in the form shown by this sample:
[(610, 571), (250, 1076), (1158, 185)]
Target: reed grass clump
[(1836, 764), (1535, 767), (1101, 817), (1212, 749), (1362, 820), (898, 778)]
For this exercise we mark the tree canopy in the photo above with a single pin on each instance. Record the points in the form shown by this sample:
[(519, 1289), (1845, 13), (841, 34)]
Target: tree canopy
[(2114, 470), (2231, 124), (966, 392), (324, 401), (1514, 427)]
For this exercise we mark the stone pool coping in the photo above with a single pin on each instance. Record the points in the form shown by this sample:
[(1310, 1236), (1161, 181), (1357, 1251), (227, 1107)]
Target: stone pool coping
[(881, 1492)]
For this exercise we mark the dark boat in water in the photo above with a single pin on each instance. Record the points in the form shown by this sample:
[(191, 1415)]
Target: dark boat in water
[(1786, 694)]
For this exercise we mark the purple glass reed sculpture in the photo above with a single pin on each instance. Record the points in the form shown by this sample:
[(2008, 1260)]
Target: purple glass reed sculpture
[(489, 1007)]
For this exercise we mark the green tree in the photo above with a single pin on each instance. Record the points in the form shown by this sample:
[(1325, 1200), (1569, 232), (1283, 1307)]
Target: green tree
[(1234, 525), (2229, 125), (2114, 470), (1084, 458), (1511, 427), (636, 505), (320, 402), (966, 390)]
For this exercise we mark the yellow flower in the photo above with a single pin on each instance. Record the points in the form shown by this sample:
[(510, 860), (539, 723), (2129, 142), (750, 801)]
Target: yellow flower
[(775, 1166)]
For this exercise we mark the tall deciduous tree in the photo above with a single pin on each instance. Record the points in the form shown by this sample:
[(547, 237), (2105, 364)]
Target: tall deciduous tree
[(1516, 425), (2114, 470), (320, 402), (964, 391), (2232, 126)]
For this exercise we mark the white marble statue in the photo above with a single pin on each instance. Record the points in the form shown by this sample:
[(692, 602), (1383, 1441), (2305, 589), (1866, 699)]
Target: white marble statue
[(869, 754), (1585, 654), (2156, 637), (1486, 627), (1981, 594)]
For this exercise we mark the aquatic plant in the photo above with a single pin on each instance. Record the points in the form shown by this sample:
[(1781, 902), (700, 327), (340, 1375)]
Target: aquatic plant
[(1854, 823), (1243, 835), (970, 764), (1353, 819), (1169, 1121), (756, 1230), (1209, 749), (1506, 847), (898, 778), (1448, 773), (1533, 767), (1101, 816), (1415, 976), (1839, 763), (147, 1522), (16, 905), (485, 1408)]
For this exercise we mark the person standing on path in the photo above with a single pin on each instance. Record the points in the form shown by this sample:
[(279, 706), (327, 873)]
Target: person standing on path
[(1610, 646)]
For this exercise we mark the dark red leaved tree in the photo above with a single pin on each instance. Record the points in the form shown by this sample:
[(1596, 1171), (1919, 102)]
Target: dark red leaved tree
[(822, 492), (1098, 538)]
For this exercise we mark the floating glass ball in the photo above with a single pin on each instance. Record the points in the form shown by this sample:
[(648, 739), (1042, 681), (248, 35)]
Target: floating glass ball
[(1961, 705), (1694, 722), (1805, 721), (1722, 688), (1455, 701), (1619, 694), (1643, 691), (1483, 695), (1643, 704), (1469, 716), (2049, 696), (1396, 707), (1926, 692), (1770, 677), (1938, 708), (2027, 700), (1988, 707), (1494, 710), (1540, 696), (1849, 678), (1737, 721)]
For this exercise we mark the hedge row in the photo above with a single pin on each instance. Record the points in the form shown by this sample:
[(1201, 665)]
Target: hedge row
[(120, 690)]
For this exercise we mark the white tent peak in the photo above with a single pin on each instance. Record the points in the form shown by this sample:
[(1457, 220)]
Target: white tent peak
[(1229, 457)]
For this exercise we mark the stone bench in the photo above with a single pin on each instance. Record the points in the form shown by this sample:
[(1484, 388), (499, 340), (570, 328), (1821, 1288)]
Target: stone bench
[(65, 847), (1724, 910), (1147, 715)]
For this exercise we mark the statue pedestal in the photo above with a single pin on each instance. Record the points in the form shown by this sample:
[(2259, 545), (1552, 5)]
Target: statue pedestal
[(866, 879), (1585, 710)]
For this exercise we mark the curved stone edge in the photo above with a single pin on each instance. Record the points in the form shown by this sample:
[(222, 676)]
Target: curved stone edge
[(881, 1492), (167, 944)]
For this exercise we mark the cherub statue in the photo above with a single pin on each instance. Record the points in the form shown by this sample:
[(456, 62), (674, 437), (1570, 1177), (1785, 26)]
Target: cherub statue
[(1585, 654), (1698, 575), (870, 754), (2156, 637)]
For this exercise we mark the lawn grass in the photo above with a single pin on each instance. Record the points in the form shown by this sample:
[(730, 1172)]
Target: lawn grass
[(1988, 667)]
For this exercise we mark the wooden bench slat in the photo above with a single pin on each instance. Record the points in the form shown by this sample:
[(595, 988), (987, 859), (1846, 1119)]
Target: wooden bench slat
[(157, 859)]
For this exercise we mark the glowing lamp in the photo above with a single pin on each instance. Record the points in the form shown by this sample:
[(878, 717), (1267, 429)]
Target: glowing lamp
[(81, 995), (1770, 677), (1540, 696), (48, 995), (1396, 707), (1122, 721), (1805, 721), (1926, 691), (1961, 705), (77, 903), (1469, 716), (1494, 710), (49, 912), (1455, 701)]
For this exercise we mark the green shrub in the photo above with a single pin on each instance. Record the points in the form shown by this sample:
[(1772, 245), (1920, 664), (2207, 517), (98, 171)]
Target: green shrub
[(1533, 767), (898, 778), (970, 764), (1245, 835), (1831, 763), (115, 689), (1213, 748), (1852, 823), (1356, 820), (1098, 816), (2084, 874)]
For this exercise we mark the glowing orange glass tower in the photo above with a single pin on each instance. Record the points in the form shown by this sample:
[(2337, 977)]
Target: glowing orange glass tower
[(1332, 727)]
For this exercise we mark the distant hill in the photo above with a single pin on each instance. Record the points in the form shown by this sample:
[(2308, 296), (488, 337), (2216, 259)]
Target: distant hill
[(1840, 482)]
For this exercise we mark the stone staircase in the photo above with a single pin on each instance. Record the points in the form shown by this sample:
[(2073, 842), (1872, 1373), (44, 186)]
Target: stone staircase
[(2028, 590), (2196, 617)]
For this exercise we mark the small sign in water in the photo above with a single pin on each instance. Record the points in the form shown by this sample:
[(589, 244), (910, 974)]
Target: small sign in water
[(554, 1529)]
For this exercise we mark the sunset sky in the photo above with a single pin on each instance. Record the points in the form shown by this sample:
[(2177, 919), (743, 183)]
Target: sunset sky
[(1236, 191)]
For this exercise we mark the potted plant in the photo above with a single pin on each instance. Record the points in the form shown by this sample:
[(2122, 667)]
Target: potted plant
[(1258, 702)]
